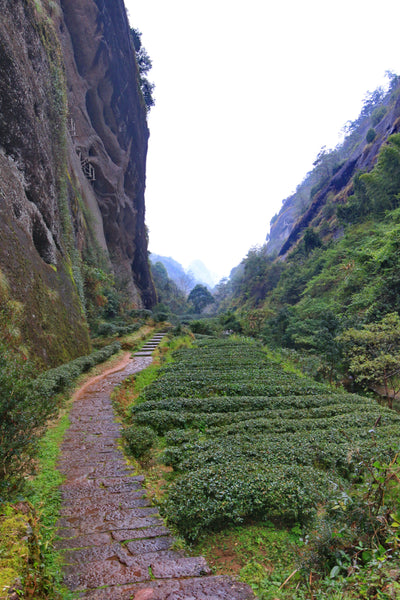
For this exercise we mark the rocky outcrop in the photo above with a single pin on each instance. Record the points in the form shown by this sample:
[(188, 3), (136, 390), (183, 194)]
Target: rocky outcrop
[(108, 130), (305, 209), (34, 258), (363, 158), (73, 144)]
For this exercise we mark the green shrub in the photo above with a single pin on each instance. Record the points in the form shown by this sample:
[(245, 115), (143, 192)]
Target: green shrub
[(360, 526), (161, 317), (378, 115), (60, 379), (138, 440), (248, 439), (23, 413), (141, 313), (106, 329), (203, 327), (25, 407), (215, 496), (371, 135), (109, 329)]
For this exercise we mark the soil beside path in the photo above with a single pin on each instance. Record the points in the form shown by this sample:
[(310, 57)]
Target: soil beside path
[(115, 544)]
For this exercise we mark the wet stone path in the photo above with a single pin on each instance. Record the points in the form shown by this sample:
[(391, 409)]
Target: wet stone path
[(115, 544)]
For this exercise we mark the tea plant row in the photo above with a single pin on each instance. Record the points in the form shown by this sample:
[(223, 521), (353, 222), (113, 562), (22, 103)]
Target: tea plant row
[(248, 439)]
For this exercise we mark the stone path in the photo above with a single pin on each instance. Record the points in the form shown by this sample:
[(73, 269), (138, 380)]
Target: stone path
[(115, 544)]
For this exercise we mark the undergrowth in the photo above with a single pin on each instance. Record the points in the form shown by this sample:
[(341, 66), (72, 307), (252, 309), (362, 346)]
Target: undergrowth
[(45, 497), (30, 567), (261, 554)]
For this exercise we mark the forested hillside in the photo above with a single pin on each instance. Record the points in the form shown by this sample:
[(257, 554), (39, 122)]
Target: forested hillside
[(330, 180), (338, 267)]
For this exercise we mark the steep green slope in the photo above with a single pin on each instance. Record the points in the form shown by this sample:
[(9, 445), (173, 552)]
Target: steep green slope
[(330, 181), (339, 266)]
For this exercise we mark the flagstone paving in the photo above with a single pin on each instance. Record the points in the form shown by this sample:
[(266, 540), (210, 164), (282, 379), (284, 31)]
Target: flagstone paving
[(114, 542)]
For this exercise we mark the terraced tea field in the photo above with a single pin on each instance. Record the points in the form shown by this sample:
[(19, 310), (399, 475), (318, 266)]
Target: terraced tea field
[(247, 439)]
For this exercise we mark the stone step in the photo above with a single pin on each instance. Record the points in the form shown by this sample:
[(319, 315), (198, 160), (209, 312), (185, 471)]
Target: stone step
[(200, 588), (125, 535), (82, 556), (181, 567)]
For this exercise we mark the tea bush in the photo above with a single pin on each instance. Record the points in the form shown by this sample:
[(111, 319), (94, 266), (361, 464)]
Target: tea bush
[(223, 404), (138, 440), (107, 329), (58, 380), (248, 439), (222, 494)]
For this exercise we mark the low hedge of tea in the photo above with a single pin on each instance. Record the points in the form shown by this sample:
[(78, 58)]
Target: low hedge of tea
[(26, 404), (247, 439)]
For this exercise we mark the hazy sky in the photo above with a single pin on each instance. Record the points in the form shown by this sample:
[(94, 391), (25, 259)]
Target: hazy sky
[(246, 94)]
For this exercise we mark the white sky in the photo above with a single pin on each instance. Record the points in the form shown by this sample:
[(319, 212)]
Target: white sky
[(247, 92)]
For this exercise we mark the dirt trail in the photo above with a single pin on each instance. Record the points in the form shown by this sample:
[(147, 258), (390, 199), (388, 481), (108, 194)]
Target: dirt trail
[(115, 544)]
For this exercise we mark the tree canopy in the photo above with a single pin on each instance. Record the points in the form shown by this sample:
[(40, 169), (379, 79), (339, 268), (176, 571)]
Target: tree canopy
[(200, 297), (373, 353), (144, 64)]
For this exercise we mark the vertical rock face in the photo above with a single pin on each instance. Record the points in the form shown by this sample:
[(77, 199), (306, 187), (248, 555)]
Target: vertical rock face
[(73, 143), (109, 130)]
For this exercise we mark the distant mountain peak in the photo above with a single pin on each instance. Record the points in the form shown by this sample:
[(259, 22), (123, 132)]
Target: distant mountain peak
[(186, 279)]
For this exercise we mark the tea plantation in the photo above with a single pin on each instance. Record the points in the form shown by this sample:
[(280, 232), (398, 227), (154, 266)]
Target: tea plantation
[(249, 440)]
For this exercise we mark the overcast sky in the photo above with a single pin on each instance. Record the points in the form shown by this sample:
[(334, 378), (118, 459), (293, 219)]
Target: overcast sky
[(246, 94)]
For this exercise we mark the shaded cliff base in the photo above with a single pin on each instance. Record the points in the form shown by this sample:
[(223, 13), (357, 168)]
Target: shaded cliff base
[(50, 317)]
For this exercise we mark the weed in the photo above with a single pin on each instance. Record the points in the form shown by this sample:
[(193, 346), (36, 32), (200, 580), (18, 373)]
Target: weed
[(46, 500)]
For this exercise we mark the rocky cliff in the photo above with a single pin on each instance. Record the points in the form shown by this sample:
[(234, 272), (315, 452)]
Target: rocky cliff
[(73, 144), (330, 183)]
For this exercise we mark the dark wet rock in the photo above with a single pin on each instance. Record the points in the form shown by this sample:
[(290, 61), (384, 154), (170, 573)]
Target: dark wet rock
[(83, 541), (205, 588), (150, 545), (103, 505), (96, 523), (127, 514), (106, 572), (183, 567), (91, 494), (123, 535), (119, 488), (82, 556)]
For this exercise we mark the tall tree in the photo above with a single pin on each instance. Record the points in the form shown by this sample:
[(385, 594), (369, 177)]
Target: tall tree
[(373, 354), (200, 297)]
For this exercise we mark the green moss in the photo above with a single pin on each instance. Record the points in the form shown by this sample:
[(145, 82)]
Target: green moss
[(14, 549), (53, 325), (27, 529), (57, 93)]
